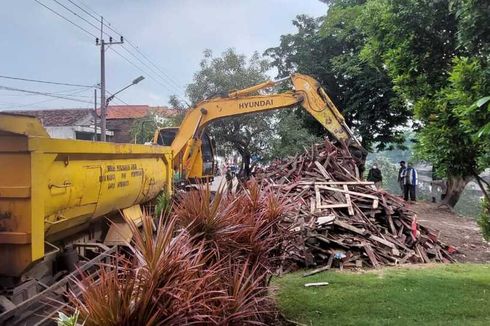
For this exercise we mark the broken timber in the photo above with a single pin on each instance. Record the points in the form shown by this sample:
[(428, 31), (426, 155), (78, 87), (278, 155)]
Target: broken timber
[(342, 221)]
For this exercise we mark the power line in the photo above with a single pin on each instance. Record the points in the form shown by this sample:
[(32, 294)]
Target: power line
[(63, 93), (85, 11), (151, 62), (145, 72), (158, 73), (77, 15), (139, 68), (13, 107), (63, 17), (173, 86), (45, 82), (16, 106), (170, 79), (151, 69), (88, 8), (43, 94)]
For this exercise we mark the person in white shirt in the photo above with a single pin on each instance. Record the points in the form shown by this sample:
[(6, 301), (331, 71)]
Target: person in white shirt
[(410, 180)]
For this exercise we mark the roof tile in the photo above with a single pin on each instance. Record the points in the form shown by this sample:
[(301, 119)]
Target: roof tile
[(57, 118)]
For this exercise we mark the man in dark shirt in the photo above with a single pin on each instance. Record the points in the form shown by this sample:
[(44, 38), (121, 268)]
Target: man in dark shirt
[(375, 176), (401, 171)]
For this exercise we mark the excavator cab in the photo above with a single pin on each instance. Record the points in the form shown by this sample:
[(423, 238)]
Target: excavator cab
[(204, 168)]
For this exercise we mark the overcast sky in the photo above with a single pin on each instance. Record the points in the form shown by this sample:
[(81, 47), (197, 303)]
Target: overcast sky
[(38, 44)]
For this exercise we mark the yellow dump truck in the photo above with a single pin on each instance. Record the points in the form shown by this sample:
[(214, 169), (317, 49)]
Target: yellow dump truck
[(54, 191)]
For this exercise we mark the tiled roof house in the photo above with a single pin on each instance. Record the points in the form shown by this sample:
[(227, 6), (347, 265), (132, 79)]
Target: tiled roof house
[(67, 123), (79, 123)]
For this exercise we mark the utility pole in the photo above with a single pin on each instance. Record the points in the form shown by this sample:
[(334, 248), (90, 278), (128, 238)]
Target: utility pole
[(103, 103), (95, 114)]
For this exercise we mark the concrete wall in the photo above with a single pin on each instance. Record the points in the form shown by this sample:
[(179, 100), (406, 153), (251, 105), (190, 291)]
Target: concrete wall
[(61, 132)]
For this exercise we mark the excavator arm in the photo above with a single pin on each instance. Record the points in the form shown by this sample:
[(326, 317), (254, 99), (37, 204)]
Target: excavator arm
[(307, 93)]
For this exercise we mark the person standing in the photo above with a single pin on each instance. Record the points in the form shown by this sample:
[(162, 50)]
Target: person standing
[(401, 171), (229, 178), (410, 180), (375, 176)]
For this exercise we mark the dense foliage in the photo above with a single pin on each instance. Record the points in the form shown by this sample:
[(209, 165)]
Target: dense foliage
[(328, 48), (143, 129), (484, 219), (292, 134), (437, 55)]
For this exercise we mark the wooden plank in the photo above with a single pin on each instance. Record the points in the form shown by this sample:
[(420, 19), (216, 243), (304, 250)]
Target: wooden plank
[(391, 225), (322, 170), (322, 239), (349, 203), (349, 227), (406, 257), (317, 197), (349, 192), (307, 285), (302, 192), (334, 206), (382, 241), (370, 253), (325, 219), (354, 183), (422, 253), (321, 269)]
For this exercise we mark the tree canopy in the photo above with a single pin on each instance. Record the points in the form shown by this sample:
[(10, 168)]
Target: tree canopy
[(328, 48), (437, 55), (249, 135)]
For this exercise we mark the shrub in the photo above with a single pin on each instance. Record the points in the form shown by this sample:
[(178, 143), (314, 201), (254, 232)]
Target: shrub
[(484, 219), (163, 204), (207, 264)]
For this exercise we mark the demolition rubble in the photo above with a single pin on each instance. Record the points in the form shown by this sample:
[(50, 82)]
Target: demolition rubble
[(341, 221)]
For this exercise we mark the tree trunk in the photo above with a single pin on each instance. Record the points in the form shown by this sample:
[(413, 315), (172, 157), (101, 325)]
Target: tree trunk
[(246, 157), (455, 187)]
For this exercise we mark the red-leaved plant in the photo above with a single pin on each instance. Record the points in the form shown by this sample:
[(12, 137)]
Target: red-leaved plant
[(206, 263)]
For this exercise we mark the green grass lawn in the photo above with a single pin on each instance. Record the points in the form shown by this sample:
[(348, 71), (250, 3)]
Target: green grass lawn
[(456, 294)]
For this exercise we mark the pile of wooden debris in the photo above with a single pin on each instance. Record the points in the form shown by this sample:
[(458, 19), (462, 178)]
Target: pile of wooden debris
[(342, 221)]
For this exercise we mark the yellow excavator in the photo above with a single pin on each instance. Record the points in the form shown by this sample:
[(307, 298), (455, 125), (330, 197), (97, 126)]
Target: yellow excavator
[(193, 150)]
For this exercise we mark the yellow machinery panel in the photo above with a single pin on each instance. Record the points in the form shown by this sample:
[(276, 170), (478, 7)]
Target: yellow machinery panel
[(51, 188)]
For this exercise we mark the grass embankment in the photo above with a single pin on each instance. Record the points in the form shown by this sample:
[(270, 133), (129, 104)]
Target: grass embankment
[(434, 295)]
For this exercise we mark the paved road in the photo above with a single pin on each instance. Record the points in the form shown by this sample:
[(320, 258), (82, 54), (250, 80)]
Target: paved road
[(220, 181)]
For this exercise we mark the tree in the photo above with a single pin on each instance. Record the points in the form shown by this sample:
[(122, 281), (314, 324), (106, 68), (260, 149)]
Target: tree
[(250, 134), (424, 46), (445, 139), (328, 48), (291, 134), (143, 129)]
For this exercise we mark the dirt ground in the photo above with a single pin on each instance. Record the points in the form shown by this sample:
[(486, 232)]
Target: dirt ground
[(460, 232)]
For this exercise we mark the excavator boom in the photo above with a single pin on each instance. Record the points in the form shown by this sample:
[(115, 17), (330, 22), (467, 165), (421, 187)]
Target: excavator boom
[(307, 93)]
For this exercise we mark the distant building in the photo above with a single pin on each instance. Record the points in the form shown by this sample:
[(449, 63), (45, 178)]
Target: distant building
[(80, 123), (67, 123), (121, 118)]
